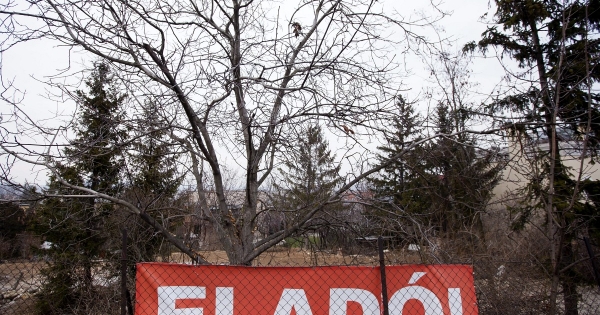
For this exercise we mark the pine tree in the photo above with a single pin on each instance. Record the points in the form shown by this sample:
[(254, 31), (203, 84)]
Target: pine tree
[(555, 39), (406, 128), (154, 161), (153, 184), (309, 177), (394, 186), (461, 178), (76, 226), (13, 221), (442, 184), (311, 174)]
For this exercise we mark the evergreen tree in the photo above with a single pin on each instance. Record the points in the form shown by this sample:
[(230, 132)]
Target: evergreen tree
[(395, 185), (153, 182), (442, 185), (76, 226), (309, 177), (154, 160), (13, 221), (406, 129), (461, 177), (555, 39)]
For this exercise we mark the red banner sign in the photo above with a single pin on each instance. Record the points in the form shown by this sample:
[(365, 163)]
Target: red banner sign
[(169, 289)]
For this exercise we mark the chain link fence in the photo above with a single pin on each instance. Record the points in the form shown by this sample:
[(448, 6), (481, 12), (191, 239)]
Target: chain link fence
[(502, 286)]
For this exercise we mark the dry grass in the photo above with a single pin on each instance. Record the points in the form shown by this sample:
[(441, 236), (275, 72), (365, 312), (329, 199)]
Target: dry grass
[(296, 257), (19, 281)]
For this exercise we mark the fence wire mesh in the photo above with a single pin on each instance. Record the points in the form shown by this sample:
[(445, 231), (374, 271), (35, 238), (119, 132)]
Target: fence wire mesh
[(412, 289), (33, 285)]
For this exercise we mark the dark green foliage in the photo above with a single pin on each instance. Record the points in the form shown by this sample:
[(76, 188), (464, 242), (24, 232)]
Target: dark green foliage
[(60, 292), (77, 239), (557, 40), (153, 182), (77, 227), (310, 175), (309, 178), (405, 130), (466, 175), (395, 186), (13, 221), (154, 161), (533, 33), (592, 192), (96, 150), (444, 184)]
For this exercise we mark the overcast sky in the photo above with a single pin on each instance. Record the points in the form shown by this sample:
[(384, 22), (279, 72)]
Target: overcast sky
[(28, 64)]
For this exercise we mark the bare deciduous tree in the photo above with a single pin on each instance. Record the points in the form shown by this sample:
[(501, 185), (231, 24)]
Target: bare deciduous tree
[(234, 78)]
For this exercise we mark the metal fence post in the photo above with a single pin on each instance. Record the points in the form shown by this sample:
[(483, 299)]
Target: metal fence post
[(124, 274), (384, 296)]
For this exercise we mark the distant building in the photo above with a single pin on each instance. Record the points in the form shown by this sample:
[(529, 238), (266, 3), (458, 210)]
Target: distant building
[(522, 163)]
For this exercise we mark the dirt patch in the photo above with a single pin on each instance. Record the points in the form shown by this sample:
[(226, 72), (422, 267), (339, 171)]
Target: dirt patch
[(19, 281), (20, 276), (24, 305), (295, 257)]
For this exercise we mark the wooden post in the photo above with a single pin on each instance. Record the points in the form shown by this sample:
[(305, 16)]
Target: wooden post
[(384, 296)]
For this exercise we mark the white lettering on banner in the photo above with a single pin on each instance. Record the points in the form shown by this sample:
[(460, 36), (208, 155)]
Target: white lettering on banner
[(295, 298), (455, 301), (430, 301), (339, 298), (168, 295), (224, 304), (416, 276)]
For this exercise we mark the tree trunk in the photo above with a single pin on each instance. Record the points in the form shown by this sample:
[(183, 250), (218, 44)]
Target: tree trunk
[(568, 280), (550, 118), (571, 299)]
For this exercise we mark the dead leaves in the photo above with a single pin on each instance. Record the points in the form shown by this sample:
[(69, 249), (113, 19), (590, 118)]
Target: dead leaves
[(296, 29), (347, 129)]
